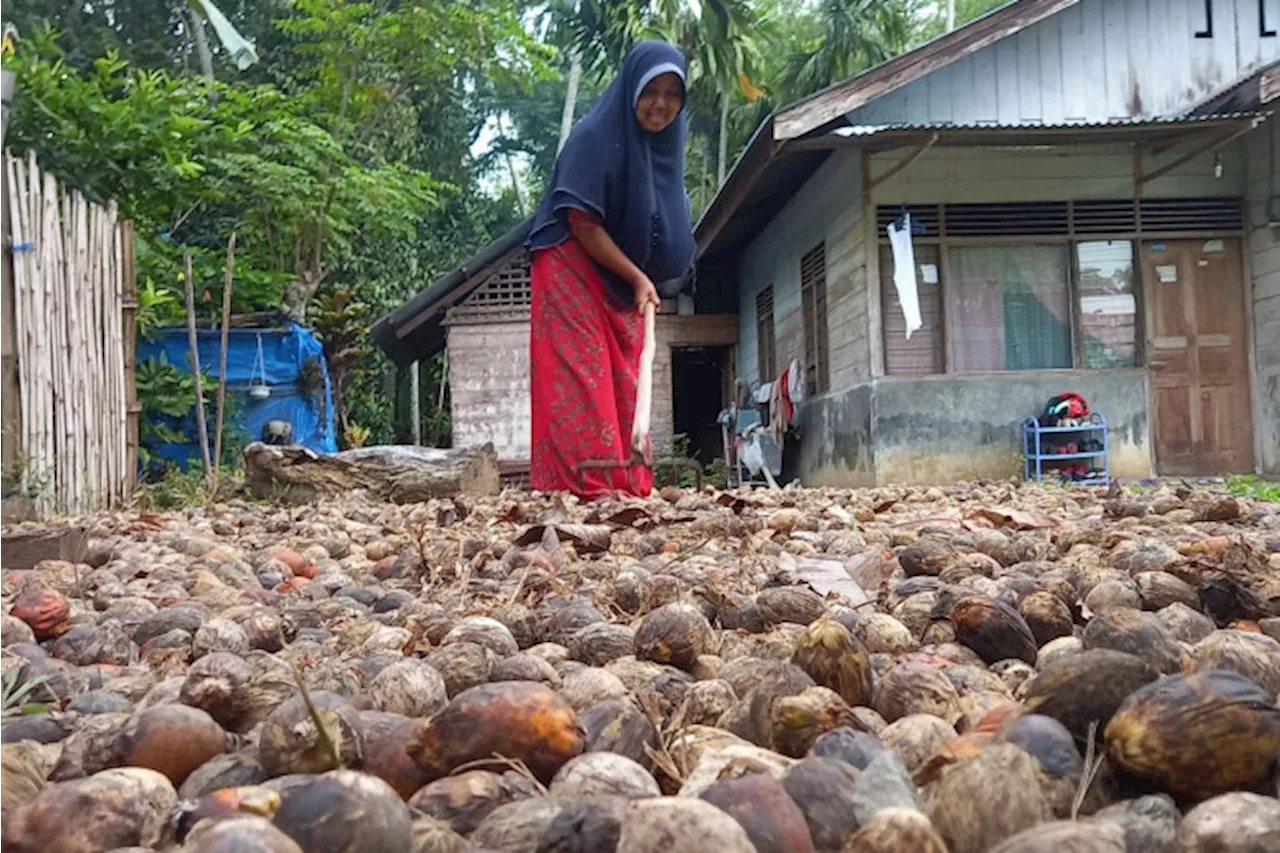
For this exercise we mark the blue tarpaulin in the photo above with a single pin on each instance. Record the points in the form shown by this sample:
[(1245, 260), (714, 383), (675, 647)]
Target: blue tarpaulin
[(284, 351)]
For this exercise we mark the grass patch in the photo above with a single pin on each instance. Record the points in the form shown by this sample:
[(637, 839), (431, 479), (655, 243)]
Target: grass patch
[(1254, 487)]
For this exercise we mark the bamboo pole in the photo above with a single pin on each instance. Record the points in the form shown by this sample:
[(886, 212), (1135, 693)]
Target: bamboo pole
[(222, 355), (202, 429), (128, 290), (415, 404)]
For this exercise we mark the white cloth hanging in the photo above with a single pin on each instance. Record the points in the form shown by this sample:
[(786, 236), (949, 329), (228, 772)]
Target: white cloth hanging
[(904, 272), (795, 381)]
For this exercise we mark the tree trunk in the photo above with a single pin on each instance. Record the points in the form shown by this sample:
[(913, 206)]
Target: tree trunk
[(399, 474), (511, 167), (722, 167), (415, 405), (201, 40), (570, 99)]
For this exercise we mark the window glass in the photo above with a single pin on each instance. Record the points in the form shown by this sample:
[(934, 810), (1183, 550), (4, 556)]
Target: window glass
[(1108, 310), (1010, 307)]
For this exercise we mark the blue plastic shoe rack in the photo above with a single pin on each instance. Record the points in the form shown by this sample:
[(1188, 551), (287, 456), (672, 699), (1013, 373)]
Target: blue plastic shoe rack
[(1035, 455)]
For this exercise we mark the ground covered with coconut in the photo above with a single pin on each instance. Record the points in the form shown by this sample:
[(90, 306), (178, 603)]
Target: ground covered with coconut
[(976, 667)]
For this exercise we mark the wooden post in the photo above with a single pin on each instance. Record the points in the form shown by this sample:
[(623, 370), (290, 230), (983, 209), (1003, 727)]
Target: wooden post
[(129, 338), (202, 429), (222, 355), (10, 392), (415, 404)]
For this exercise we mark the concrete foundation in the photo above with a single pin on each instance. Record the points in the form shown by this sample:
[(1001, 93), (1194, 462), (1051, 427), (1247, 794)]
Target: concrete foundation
[(949, 428)]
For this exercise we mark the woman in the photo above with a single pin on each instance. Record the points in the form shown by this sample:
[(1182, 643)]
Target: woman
[(615, 219)]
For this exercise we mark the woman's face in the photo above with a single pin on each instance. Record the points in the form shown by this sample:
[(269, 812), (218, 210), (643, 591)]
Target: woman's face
[(660, 103)]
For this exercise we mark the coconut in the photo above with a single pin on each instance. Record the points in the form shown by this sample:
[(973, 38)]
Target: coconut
[(1150, 824), (1125, 629), (123, 807), (240, 834), (1087, 687), (680, 825), (708, 701), (1111, 594), (1067, 837), (95, 745), (519, 720), (220, 635), (916, 688), (561, 618), (464, 800), (410, 687), (44, 610), (1237, 821), (603, 773), (618, 725), (86, 645), (217, 685), (388, 742), (896, 830), (751, 717), (915, 738), (584, 825), (1158, 590), (1047, 617), (761, 805), (290, 743), (483, 631), (928, 556), (1255, 656), (525, 667), (173, 740), (882, 634), (833, 658), (993, 629), (591, 686), (517, 826), (853, 747), (673, 634), (1048, 741), (1011, 799), (738, 612), (228, 770), (598, 644), (824, 789), (344, 811), (1185, 624), (795, 722), (463, 665), (1198, 735), (795, 604)]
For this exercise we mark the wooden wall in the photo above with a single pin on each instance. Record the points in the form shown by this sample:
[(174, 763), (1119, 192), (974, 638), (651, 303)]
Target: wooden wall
[(1263, 146)]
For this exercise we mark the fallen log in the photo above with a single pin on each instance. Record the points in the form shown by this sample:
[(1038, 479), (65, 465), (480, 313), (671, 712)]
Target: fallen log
[(402, 474)]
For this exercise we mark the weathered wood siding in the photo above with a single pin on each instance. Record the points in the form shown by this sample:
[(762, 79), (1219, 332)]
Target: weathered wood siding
[(827, 208), (1096, 61), (1263, 146), (1071, 172), (489, 386), (489, 378)]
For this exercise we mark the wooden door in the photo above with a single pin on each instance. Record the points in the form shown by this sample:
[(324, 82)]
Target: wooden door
[(1202, 420)]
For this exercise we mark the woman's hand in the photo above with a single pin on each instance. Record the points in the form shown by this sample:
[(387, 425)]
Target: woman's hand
[(646, 293)]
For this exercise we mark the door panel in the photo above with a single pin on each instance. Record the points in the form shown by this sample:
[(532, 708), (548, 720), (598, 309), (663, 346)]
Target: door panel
[(1198, 356)]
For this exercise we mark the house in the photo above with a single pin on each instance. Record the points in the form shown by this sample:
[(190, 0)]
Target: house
[(1097, 186), (480, 313), (1097, 181)]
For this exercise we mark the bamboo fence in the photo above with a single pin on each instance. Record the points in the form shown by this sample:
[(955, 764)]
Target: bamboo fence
[(72, 291)]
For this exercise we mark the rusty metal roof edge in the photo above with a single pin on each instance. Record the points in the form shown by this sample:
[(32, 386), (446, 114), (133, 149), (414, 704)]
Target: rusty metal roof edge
[(866, 131)]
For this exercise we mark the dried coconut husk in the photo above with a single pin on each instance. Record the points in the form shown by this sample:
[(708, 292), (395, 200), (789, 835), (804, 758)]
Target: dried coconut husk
[(1255, 656), (751, 717), (1086, 687), (603, 774), (240, 834), (1186, 624), (882, 634), (173, 740), (993, 629), (584, 825), (217, 684), (223, 804), (463, 666), (1160, 589), (795, 604), (483, 631), (23, 768), (591, 686), (43, 609), (344, 811), (229, 770), (619, 725), (674, 634), (915, 688), (434, 836), (708, 701), (833, 658), (680, 825), (824, 789), (1011, 799), (1047, 617), (597, 645), (1198, 735), (518, 825), (1066, 836), (290, 743), (95, 745), (895, 830), (387, 739), (918, 738), (1237, 821), (464, 800), (738, 612), (1048, 741), (525, 667), (410, 687), (122, 807), (795, 722), (761, 805), (518, 720), (849, 745), (86, 645), (1150, 824)]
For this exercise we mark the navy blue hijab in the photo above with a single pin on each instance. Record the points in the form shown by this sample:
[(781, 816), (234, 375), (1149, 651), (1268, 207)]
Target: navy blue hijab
[(630, 178)]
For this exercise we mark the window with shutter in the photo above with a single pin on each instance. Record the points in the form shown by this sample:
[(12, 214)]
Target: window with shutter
[(766, 346), (813, 292)]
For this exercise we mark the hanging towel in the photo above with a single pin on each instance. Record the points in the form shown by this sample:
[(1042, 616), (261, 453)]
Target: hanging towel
[(795, 382), (904, 272), (777, 427)]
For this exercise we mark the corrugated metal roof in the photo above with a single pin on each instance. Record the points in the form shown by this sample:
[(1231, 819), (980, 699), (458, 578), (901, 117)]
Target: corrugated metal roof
[(1154, 121)]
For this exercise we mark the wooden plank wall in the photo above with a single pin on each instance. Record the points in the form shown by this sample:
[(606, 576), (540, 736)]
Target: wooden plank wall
[(68, 282), (1263, 146)]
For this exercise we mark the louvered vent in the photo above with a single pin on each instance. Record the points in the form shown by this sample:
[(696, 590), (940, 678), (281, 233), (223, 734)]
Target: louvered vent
[(1176, 215), (1015, 218), (1103, 217), (508, 288), (926, 214)]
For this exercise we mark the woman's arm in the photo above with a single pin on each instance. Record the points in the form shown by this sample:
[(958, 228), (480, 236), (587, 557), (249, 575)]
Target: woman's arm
[(586, 229)]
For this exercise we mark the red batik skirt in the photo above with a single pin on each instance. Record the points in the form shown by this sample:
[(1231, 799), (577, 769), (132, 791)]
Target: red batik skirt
[(584, 364)]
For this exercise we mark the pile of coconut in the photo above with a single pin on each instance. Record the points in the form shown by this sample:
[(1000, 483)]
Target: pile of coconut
[(981, 667)]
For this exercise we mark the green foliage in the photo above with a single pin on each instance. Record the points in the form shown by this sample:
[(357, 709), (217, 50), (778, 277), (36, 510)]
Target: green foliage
[(1254, 487), (17, 690)]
